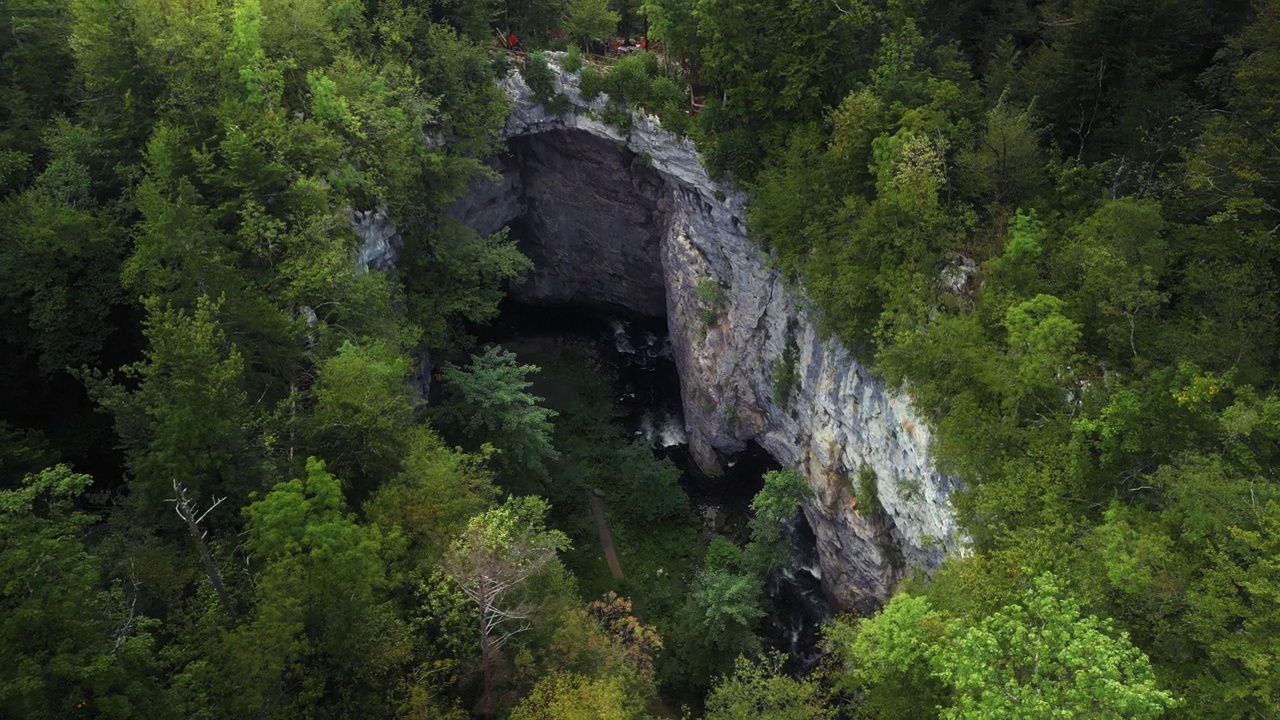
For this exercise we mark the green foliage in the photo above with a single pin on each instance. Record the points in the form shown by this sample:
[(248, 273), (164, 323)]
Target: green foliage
[(1006, 168), (572, 59), (1235, 612), (786, 80), (458, 277), (536, 21), (783, 377), (501, 562), (58, 267), (364, 408), (539, 76), (574, 697), (886, 659), (591, 83), (1041, 656), (629, 79), (763, 690), (187, 416), (775, 508), (511, 536), (669, 100), (302, 532), (653, 526), (673, 23), (709, 292), (1054, 224), (711, 296), (316, 588), (1030, 658), (488, 403), (587, 20), (94, 653), (429, 502), (866, 491)]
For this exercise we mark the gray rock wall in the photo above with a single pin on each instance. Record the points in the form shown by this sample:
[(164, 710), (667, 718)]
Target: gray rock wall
[(633, 219)]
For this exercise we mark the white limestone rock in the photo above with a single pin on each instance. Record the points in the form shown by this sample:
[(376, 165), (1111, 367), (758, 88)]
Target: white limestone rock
[(380, 248)]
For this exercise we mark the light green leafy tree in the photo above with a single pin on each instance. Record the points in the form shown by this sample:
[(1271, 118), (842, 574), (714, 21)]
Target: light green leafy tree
[(1034, 659), (1041, 659), (316, 635), (429, 502), (363, 413), (567, 696), (775, 508), (1041, 343), (887, 659), (762, 690)]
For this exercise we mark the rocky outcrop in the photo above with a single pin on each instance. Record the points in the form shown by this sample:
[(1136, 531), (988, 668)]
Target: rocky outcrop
[(380, 242), (631, 218)]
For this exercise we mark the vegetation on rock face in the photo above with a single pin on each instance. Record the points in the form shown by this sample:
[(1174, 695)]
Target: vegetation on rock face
[(1056, 222)]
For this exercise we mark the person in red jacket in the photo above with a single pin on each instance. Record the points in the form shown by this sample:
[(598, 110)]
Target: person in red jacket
[(513, 42)]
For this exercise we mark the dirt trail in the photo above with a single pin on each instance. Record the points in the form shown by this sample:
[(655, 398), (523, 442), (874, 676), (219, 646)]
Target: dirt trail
[(606, 540)]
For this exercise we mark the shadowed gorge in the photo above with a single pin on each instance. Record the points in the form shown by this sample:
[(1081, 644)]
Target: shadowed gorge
[(631, 221)]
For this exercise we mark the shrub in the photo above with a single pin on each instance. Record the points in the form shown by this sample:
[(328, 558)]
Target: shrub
[(617, 115), (628, 82), (500, 63), (783, 375), (559, 104), (674, 119), (710, 296), (590, 83), (709, 292), (866, 492), (538, 75), (664, 91), (573, 59)]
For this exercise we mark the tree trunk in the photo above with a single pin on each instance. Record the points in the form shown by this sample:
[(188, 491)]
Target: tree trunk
[(486, 661), (183, 507), (210, 568)]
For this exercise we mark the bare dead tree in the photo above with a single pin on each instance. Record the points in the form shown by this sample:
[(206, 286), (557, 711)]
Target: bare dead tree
[(192, 516), (499, 551)]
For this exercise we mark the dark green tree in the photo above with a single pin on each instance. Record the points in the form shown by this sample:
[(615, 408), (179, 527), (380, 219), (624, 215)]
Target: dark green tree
[(71, 645), (489, 402)]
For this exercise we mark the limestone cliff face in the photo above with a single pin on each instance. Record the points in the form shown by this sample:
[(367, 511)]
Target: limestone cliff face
[(632, 219)]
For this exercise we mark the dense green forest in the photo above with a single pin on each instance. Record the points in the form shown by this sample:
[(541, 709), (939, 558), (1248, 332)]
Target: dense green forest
[(222, 494)]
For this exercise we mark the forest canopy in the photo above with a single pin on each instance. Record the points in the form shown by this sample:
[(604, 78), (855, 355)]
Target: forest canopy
[(224, 494)]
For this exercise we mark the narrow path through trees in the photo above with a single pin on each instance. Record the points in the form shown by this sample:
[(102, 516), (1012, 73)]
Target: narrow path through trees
[(606, 540)]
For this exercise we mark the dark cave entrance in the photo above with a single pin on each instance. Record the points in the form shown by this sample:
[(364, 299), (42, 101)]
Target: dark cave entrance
[(591, 214)]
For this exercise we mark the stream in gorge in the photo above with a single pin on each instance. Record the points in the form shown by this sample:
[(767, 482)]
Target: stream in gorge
[(634, 356)]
